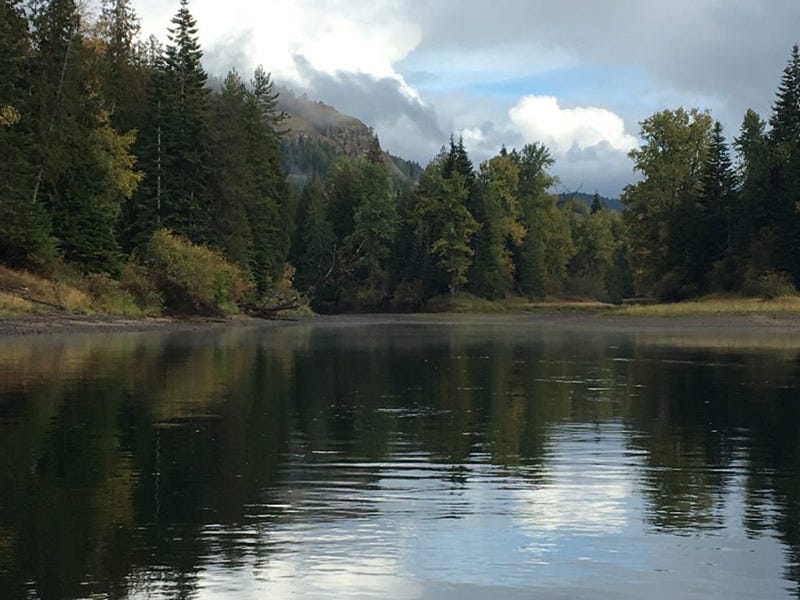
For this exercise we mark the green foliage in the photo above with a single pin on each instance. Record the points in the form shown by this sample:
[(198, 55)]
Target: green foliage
[(192, 279), (313, 245), (136, 281), (662, 209), (535, 206), (768, 285), (445, 222), (183, 99), (25, 226), (496, 208)]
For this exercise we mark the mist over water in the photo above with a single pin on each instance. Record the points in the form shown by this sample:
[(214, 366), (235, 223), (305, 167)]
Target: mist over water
[(398, 458)]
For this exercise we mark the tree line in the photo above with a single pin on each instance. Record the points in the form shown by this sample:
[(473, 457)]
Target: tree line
[(118, 158), (701, 222)]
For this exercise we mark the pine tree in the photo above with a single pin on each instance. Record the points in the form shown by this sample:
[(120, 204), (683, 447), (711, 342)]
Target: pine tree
[(185, 207)]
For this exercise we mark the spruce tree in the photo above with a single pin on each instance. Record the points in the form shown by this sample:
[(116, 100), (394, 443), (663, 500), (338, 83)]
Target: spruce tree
[(231, 184), (124, 79), (144, 213), (185, 207), (785, 172), (269, 207), (755, 207), (785, 121), (714, 227)]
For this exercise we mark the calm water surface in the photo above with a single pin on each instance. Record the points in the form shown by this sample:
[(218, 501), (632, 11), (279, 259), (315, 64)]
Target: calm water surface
[(403, 458)]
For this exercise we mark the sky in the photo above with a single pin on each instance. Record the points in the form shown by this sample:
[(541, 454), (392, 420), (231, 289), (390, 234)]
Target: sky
[(576, 75)]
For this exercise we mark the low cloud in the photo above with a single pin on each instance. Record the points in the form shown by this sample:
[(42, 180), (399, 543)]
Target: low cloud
[(405, 124)]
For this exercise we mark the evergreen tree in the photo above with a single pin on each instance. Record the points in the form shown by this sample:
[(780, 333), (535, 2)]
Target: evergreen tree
[(785, 173), (185, 207), (496, 208), (124, 78), (231, 182), (445, 223), (24, 225), (313, 244), (785, 121), (754, 207), (714, 226), (85, 171), (144, 214), (267, 99), (269, 209), (375, 225), (597, 204)]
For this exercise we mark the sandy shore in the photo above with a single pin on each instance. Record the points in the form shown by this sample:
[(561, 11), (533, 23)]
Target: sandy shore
[(784, 324)]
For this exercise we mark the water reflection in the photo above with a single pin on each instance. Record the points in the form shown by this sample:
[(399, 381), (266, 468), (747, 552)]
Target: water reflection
[(403, 459)]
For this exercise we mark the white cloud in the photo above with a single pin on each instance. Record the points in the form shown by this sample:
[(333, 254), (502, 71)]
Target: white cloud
[(330, 35), (541, 119)]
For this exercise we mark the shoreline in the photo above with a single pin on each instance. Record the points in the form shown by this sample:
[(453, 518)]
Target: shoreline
[(766, 323)]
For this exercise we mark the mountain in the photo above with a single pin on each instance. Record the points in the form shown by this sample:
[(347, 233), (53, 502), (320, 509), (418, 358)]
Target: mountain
[(317, 134)]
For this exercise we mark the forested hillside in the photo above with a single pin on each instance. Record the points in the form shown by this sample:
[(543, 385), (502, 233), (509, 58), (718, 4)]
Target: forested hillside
[(119, 160)]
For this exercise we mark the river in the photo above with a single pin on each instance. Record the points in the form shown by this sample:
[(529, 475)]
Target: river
[(399, 458)]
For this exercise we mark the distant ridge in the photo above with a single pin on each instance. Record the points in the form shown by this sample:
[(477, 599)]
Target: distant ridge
[(317, 134)]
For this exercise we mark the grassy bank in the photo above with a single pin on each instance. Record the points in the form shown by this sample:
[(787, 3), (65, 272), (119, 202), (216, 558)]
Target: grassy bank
[(467, 303), (24, 294), (715, 305), (711, 305)]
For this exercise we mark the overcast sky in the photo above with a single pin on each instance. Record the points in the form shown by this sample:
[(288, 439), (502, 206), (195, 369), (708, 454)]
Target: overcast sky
[(576, 75)]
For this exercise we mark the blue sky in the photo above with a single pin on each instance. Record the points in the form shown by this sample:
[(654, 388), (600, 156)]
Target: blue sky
[(578, 75)]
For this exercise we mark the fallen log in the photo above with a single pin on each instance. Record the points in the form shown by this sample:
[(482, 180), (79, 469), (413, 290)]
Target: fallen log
[(269, 312), (25, 295)]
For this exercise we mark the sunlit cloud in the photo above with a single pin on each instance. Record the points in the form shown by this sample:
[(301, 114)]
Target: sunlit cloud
[(540, 118)]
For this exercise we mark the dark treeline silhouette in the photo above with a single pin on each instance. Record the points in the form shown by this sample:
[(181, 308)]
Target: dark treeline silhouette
[(107, 140)]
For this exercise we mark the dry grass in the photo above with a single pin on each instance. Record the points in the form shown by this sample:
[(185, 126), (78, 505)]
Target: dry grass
[(715, 305), (24, 294), (467, 303)]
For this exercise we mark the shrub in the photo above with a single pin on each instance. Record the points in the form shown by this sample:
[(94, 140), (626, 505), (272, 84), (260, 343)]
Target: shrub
[(192, 279), (108, 296), (136, 281), (407, 296), (767, 285)]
